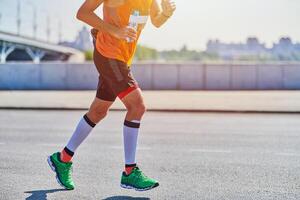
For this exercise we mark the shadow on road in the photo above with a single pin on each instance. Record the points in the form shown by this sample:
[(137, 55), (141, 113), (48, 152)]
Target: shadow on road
[(126, 198), (41, 194)]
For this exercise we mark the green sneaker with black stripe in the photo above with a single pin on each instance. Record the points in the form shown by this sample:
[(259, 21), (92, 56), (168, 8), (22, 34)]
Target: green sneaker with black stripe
[(63, 171), (137, 180)]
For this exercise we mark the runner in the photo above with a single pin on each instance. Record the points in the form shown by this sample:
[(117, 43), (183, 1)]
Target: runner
[(115, 39)]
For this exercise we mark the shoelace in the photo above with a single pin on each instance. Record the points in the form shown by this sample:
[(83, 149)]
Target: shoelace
[(139, 174), (68, 172)]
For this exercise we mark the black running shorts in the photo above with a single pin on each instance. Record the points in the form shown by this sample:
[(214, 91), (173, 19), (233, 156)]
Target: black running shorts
[(115, 78)]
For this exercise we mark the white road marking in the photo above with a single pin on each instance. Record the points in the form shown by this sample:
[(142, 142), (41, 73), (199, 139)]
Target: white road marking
[(51, 145), (210, 151), (287, 154), (2, 143), (115, 147), (121, 147)]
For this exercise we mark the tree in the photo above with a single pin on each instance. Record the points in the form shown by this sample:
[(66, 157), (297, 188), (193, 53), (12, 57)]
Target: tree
[(145, 53), (88, 55)]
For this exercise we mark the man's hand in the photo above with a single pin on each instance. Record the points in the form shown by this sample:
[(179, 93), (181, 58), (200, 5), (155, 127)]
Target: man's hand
[(125, 33), (161, 13), (168, 7)]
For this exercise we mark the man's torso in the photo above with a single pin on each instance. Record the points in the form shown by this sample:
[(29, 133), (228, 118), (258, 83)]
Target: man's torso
[(119, 13)]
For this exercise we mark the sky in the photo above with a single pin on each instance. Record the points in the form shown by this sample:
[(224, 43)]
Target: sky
[(193, 24)]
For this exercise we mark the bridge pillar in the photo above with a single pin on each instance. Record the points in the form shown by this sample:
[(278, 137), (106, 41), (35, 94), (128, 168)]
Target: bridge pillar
[(36, 55), (5, 51)]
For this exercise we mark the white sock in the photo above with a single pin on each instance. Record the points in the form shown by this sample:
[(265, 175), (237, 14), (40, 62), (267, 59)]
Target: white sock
[(130, 135), (83, 129)]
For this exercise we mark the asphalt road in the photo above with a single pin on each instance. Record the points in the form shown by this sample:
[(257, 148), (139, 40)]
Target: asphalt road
[(193, 155)]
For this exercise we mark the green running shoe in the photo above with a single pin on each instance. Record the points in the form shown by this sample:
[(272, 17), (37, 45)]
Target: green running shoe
[(137, 180), (63, 171)]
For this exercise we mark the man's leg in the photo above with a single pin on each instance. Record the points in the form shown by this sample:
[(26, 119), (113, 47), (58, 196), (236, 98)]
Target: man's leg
[(135, 110), (133, 177), (96, 113), (60, 161)]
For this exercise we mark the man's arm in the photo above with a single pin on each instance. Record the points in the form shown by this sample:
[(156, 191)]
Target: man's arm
[(160, 14), (86, 13)]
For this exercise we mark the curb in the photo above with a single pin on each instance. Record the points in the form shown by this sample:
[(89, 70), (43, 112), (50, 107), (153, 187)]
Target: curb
[(155, 110)]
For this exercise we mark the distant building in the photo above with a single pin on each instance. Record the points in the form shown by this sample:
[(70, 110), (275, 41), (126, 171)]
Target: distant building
[(82, 42), (285, 49), (253, 45), (236, 50)]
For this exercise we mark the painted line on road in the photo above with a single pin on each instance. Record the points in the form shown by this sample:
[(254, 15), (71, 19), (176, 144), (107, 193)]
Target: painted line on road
[(288, 154), (210, 151), (115, 147), (121, 147), (51, 145), (2, 143)]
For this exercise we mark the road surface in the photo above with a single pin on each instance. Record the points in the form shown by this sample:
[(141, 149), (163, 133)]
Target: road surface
[(207, 156)]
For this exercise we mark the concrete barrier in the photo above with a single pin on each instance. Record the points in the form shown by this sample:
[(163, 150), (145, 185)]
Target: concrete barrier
[(218, 77), (291, 77), (270, 77), (199, 76), (19, 76), (244, 77), (81, 77), (144, 76), (191, 77), (53, 76), (165, 77)]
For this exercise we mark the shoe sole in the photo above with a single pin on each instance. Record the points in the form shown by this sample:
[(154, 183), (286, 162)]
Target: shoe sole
[(53, 168), (138, 189)]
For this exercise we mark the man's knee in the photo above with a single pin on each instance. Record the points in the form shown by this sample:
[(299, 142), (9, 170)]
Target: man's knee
[(101, 113), (139, 109), (142, 108), (97, 114)]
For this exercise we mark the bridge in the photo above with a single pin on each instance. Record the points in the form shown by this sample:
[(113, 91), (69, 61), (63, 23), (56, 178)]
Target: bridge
[(19, 48)]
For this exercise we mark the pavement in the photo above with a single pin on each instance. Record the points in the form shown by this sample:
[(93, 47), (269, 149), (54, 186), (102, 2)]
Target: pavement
[(190, 101), (209, 156)]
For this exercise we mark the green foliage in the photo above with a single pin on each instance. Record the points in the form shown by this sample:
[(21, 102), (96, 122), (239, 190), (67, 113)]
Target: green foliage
[(145, 53), (184, 54), (262, 57), (88, 55), (296, 56)]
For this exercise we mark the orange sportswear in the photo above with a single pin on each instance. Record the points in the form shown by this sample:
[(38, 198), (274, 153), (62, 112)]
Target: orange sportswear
[(112, 47)]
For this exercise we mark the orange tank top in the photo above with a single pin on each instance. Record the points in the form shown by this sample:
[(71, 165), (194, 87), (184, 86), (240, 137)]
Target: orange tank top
[(121, 15)]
